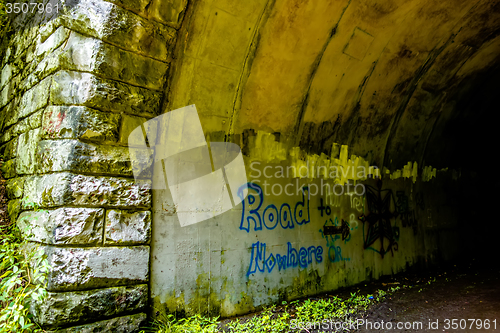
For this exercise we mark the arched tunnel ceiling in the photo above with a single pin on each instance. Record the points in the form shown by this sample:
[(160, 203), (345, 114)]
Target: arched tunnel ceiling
[(379, 76)]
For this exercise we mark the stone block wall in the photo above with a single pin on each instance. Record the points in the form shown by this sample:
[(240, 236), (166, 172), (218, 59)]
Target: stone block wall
[(73, 86)]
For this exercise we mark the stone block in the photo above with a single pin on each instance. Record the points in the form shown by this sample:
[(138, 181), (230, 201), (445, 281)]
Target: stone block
[(123, 227), (9, 150), (126, 324), (15, 188), (52, 42), (92, 191), (13, 209), (26, 152), (35, 98), (76, 156), (88, 268), (64, 225), (9, 169), (103, 94), (80, 122), (9, 115), (6, 75), (168, 12), (88, 54), (32, 122), (121, 27), (60, 309), (10, 91), (359, 44)]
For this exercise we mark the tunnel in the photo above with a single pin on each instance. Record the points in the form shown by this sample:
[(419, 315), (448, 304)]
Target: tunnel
[(365, 131)]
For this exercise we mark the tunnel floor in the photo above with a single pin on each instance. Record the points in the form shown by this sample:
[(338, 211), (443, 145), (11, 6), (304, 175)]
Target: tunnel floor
[(428, 300), (466, 293)]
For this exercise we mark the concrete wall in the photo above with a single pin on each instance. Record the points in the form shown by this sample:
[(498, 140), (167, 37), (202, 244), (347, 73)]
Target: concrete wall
[(274, 246), (323, 83), (291, 83), (332, 84)]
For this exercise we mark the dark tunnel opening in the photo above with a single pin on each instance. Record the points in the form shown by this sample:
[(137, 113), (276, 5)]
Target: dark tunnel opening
[(465, 141)]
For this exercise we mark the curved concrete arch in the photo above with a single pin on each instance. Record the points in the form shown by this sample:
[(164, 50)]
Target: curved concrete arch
[(358, 71)]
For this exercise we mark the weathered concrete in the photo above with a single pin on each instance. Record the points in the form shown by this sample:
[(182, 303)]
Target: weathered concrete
[(370, 89)]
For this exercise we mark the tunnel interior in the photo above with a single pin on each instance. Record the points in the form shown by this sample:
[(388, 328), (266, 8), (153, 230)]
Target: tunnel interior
[(397, 82), (467, 142), (408, 88), (404, 90)]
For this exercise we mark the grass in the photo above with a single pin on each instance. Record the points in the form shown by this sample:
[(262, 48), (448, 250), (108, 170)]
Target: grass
[(278, 318)]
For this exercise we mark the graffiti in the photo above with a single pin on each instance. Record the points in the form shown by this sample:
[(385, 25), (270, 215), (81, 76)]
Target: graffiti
[(322, 208), (407, 216), (332, 232), (353, 222), (271, 217), (335, 254), (333, 199), (55, 120), (293, 258), (378, 222), (356, 201), (344, 230)]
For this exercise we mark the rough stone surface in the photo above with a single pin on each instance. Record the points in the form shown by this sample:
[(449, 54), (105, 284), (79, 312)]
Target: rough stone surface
[(13, 209), (26, 151), (126, 324), (64, 225), (9, 169), (35, 98), (103, 94), (9, 150), (72, 307), (86, 268), (37, 65), (9, 115), (68, 189), (169, 13), (73, 155), (121, 27), (32, 122), (86, 54), (80, 122), (123, 227), (15, 188), (71, 85)]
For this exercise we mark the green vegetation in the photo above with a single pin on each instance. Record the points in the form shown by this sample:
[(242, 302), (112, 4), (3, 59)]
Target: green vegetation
[(277, 318), (3, 16), (19, 285)]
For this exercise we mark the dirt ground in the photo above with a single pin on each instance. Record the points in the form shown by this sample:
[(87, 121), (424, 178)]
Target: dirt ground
[(469, 294), (456, 298)]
